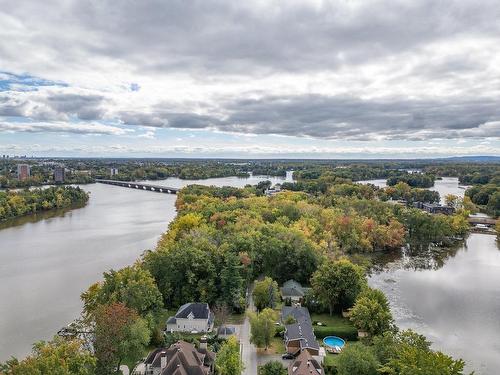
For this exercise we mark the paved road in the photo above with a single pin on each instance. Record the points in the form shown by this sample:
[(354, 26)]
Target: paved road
[(251, 359), (248, 350)]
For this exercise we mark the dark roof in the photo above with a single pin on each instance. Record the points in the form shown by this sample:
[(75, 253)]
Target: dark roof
[(199, 311), (171, 320), (305, 364), (182, 359), (298, 312), (292, 288), (302, 330)]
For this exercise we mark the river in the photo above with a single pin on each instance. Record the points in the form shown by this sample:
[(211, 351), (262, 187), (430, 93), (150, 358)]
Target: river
[(452, 296), (444, 186), (47, 261)]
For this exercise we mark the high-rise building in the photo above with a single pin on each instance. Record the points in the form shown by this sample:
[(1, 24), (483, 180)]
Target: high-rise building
[(59, 174), (23, 171), (114, 171)]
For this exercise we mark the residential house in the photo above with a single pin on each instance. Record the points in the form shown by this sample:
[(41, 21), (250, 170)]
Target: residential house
[(182, 358), (191, 317), (305, 364), (293, 291), (273, 190), (433, 208), (299, 335)]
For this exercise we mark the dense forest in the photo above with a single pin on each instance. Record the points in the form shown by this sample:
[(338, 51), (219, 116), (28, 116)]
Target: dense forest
[(23, 202), (320, 229), (224, 238)]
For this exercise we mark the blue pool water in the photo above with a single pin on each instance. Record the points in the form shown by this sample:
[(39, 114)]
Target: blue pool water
[(333, 341)]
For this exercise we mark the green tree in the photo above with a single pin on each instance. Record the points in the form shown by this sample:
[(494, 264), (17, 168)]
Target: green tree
[(59, 356), (377, 295), (370, 316), (272, 368), (357, 359), (412, 361), (120, 333), (408, 353), (185, 270), (231, 281), (228, 361), (134, 286), (265, 293), (262, 327), (338, 283)]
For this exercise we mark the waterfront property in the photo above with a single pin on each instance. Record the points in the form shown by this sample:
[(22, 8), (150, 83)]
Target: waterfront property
[(182, 358), (433, 208), (191, 317), (334, 344), (293, 291), (305, 364), (299, 335)]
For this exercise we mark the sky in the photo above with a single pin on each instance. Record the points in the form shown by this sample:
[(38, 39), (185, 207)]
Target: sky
[(259, 79)]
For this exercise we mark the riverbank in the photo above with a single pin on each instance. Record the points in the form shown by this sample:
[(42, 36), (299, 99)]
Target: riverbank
[(14, 204), (58, 254), (450, 295)]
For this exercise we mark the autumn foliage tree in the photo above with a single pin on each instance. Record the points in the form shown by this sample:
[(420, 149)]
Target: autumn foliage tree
[(120, 333), (59, 356), (338, 283)]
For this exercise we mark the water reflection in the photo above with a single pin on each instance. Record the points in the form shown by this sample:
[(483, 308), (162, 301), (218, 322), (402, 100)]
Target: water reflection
[(48, 259), (417, 256), (33, 218), (451, 295)]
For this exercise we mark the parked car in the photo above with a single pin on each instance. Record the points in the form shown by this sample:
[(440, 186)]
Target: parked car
[(287, 356)]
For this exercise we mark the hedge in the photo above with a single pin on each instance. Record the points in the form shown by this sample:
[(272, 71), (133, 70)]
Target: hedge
[(347, 333)]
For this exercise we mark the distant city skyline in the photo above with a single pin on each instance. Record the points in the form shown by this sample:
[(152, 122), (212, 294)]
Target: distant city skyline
[(259, 79)]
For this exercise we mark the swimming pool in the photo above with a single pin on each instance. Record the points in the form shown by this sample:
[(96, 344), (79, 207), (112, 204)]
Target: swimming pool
[(334, 341)]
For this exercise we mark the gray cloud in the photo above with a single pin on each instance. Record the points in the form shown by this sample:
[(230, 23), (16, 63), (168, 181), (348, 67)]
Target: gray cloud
[(85, 107), (413, 70), (225, 36), (58, 127), (341, 117), (52, 106)]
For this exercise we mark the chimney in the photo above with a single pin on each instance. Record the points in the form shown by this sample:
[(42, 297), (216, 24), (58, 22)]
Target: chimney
[(163, 360), (203, 342)]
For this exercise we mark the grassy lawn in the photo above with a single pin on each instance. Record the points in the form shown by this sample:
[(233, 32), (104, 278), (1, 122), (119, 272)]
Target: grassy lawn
[(331, 359), (277, 347), (235, 319), (334, 325)]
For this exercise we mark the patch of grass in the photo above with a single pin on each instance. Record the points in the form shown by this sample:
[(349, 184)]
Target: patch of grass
[(334, 325), (235, 319), (277, 347), (331, 360)]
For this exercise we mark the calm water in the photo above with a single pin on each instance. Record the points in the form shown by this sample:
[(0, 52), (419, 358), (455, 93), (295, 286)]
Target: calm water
[(445, 186), (47, 261), (451, 296)]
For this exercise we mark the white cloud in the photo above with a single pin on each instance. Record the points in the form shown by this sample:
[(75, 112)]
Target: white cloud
[(347, 70)]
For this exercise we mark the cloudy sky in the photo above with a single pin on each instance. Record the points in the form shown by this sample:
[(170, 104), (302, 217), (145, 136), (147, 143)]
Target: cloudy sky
[(295, 78)]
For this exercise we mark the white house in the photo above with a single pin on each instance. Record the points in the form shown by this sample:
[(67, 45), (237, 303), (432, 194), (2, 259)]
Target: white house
[(191, 317)]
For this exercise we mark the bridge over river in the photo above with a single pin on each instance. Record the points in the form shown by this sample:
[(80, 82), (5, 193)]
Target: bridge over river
[(141, 186)]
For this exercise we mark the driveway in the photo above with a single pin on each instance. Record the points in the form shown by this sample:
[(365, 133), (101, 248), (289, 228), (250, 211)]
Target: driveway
[(251, 359), (248, 350)]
